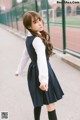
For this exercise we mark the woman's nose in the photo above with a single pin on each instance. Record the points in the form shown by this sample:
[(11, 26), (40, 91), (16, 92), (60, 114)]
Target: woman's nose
[(40, 23)]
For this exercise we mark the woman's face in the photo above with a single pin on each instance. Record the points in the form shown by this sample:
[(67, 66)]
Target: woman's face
[(37, 25)]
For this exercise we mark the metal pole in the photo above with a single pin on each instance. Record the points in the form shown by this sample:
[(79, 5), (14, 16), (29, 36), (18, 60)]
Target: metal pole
[(47, 7), (5, 18), (16, 18), (23, 13), (11, 18), (63, 27), (36, 6), (8, 18)]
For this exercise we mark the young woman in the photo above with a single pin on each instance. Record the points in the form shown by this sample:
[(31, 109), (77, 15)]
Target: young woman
[(43, 85)]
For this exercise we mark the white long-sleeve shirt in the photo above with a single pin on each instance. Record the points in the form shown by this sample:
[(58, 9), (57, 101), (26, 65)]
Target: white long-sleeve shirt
[(41, 60)]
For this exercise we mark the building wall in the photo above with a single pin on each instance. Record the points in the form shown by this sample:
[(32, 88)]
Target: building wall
[(6, 3), (72, 6)]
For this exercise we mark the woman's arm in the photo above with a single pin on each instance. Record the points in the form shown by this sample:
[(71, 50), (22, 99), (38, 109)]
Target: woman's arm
[(23, 62), (41, 60)]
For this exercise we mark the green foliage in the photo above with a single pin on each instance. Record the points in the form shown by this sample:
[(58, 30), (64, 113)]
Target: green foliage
[(24, 0), (29, 7), (44, 4), (14, 3)]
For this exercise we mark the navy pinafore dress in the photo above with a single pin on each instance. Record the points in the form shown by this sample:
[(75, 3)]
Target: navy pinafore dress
[(38, 96)]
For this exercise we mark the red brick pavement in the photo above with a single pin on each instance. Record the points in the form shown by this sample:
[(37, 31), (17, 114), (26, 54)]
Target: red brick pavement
[(72, 37)]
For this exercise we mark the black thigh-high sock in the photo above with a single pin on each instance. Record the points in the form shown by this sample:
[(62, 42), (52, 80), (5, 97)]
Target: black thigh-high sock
[(37, 111), (52, 115)]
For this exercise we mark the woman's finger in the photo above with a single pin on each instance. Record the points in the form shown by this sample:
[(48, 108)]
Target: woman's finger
[(16, 74), (44, 87), (41, 87)]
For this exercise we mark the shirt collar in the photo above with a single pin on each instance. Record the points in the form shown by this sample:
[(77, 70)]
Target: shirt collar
[(29, 34)]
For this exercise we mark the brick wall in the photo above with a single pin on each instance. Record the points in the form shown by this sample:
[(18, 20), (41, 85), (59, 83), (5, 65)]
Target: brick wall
[(6, 3), (72, 6)]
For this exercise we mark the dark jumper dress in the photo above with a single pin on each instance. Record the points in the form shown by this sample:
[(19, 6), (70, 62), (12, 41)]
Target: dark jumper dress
[(38, 96)]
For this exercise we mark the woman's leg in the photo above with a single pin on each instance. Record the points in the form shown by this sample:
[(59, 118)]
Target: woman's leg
[(37, 111), (51, 112)]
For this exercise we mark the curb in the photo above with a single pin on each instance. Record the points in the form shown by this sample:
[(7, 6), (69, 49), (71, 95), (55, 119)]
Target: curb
[(13, 31), (71, 60)]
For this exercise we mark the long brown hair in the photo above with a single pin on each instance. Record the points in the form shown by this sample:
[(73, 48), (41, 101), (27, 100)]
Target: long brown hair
[(27, 22)]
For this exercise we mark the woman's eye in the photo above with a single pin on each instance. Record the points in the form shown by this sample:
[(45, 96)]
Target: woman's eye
[(39, 19), (36, 21)]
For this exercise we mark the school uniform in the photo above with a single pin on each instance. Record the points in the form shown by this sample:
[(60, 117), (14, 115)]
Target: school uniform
[(39, 71)]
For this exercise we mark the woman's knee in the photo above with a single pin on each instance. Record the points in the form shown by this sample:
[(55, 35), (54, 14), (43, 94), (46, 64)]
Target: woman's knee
[(51, 107)]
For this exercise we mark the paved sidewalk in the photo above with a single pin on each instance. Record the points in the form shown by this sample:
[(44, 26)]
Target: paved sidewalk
[(14, 94)]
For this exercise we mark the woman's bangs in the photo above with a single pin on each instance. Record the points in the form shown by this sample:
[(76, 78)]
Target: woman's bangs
[(36, 17)]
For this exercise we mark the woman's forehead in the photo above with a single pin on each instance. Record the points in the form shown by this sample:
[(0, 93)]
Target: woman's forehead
[(35, 18)]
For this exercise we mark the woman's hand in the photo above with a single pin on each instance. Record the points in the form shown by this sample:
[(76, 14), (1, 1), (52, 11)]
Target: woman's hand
[(16, 74), (43, 86)]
